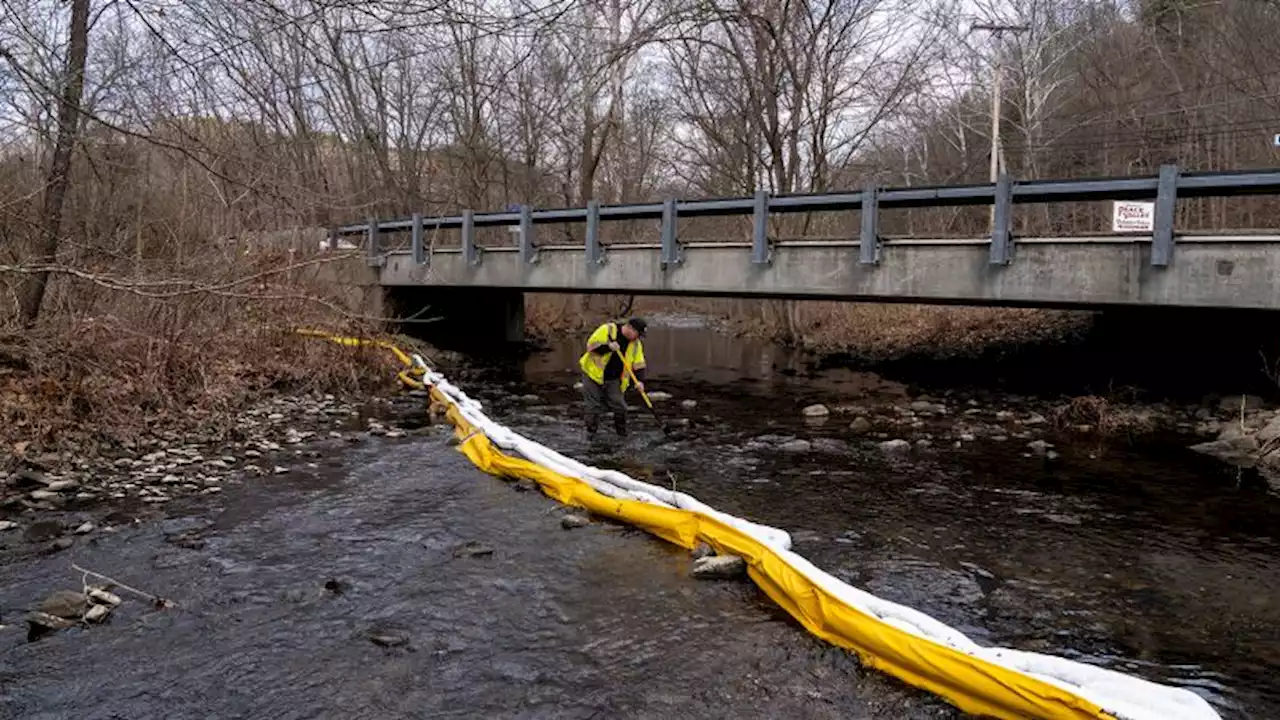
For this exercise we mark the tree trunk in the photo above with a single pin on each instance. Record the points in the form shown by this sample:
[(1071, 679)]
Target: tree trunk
[(59, 177)]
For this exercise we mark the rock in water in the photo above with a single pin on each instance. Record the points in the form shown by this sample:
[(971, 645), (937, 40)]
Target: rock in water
[(67, 604), (570, 522), (860, 426), (97, 613), (40, 624), (386, 639), (895, 447), (796, 446), (102, 596), (42, 530), (1238, 450), (817, 410), (1040, 447), (472, 548), (7, 525), (719, 567), (689, 404), (658, 395)]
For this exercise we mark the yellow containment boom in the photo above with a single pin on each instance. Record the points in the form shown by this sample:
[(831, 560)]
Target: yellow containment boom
[(919, 650)]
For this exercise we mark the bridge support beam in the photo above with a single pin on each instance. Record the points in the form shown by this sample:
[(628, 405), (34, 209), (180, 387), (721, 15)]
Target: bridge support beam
[(459, 317)]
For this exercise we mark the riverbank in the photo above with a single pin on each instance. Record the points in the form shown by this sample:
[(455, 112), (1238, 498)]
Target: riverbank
[(51, 501)]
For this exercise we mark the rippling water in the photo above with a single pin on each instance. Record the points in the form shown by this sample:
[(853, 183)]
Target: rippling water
[(1147, 560)]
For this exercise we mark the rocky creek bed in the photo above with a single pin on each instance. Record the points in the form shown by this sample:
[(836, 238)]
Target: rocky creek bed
[(321, 531)]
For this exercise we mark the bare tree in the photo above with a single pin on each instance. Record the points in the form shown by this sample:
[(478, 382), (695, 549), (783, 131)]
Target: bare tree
[(59, 175)]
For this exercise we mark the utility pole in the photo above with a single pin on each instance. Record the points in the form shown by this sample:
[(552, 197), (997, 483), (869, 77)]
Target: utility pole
[(996, 90)]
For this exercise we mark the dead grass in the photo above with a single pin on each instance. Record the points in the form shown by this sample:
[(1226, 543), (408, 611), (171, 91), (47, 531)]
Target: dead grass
[(106, 365), (1092, 413)]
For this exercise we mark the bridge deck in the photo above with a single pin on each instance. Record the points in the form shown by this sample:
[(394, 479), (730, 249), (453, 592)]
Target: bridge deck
[(1241, 271)]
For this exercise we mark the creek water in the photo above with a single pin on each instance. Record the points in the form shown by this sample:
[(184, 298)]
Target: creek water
[(1143, 558)]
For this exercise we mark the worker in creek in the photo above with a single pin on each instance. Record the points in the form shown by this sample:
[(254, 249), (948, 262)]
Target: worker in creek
[(604, 376)]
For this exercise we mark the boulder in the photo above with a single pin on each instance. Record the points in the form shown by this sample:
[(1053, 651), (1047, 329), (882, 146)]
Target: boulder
[(689, 404), (7, 525), (860, 426), (719, 567), (658, 395)]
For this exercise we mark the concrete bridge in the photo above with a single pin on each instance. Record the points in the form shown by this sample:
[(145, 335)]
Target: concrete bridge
[(1160, 268)]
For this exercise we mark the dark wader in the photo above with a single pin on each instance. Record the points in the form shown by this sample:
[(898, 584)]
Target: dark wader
[(602, 399)]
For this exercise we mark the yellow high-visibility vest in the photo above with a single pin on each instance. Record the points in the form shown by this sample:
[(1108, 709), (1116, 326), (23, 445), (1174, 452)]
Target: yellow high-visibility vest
[(593, 364)]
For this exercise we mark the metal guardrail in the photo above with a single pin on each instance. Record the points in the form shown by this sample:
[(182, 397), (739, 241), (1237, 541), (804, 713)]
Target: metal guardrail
[(1166, 189)]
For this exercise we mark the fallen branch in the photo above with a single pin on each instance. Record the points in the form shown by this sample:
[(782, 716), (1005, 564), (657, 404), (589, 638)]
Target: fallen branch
[(154, 599)]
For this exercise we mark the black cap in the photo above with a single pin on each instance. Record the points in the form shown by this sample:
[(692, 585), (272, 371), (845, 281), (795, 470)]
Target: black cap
[(639, 324)]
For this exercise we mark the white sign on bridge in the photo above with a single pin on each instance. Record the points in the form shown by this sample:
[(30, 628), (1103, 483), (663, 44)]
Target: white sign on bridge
[(1133, 217)]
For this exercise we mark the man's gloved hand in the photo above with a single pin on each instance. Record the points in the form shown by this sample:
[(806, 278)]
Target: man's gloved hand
[(614, 347)]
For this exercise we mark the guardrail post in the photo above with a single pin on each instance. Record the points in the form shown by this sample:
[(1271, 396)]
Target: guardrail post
[(333, 238), (373, 242), (470, 253), (1166, 205), (1001, 236), (528, 254), (869, 243), (670, 247), (760, 254), (595, 254), (419, 252)]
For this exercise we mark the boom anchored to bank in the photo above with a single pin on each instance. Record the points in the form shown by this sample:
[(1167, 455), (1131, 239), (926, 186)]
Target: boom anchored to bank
[(998, 682), (1162, 267)]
